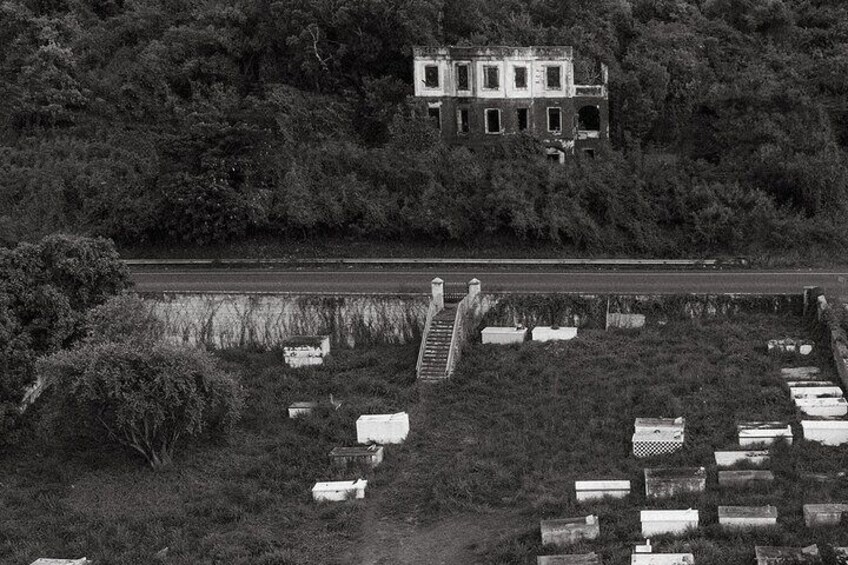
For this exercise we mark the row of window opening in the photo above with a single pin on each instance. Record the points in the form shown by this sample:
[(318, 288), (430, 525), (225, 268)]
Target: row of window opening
[(493, 122), (588, 119), (492, 78)]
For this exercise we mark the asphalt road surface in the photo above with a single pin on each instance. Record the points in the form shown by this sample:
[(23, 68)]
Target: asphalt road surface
[(357, 280)]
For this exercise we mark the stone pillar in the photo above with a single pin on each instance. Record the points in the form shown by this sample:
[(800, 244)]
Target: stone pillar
[(437, 287), (811, 294), (473, 287)]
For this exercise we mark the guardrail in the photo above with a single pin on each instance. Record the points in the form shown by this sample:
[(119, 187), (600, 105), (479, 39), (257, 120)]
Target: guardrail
[(431, 311), (436, 261)]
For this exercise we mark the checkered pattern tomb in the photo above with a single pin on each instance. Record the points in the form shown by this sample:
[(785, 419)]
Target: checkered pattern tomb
[(642, 449)]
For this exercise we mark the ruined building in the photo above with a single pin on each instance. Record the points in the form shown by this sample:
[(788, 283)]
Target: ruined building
[(477, 95)]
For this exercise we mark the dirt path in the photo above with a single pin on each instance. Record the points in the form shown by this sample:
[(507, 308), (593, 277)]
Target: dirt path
[(451, 541)]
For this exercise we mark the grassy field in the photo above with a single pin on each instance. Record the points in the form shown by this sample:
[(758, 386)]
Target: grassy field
[(244, 503), (507, 436), (517, 425)]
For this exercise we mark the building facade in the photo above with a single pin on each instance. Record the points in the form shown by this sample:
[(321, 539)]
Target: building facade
[(478, 95)]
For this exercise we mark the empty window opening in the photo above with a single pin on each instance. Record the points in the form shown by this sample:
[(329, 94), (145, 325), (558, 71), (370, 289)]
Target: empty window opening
[(589, 118), (555, 155), (554, 120), (435, 116), (462, 124), (462, 77), (590, 153), (431, 76), (491, 77), (493, 120), (520, 77), (522, 118), (554, 77)]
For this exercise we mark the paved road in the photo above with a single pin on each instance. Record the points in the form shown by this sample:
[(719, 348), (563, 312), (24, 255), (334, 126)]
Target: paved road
[(390, 281)]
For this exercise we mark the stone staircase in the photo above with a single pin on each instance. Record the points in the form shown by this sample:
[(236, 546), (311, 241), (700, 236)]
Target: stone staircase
[(437, 345)]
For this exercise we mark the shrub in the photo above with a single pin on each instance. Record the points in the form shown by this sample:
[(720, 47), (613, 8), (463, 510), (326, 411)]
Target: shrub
[(144, 398)]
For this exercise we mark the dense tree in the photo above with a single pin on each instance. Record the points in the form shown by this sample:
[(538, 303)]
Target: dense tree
[(202, 122), (46, 290), (149, 398)]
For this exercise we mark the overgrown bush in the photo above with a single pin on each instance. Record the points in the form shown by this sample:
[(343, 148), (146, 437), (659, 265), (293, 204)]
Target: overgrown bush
[(148, 399)]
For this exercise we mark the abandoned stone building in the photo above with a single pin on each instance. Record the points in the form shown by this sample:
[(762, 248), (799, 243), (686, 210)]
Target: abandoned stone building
[(478, 95)]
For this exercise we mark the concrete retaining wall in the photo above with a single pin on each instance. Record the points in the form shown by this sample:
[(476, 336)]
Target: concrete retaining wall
[(222, 320)]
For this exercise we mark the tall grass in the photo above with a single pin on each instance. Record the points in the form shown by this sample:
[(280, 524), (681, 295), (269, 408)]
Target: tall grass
[(245, 502), (517, 425)]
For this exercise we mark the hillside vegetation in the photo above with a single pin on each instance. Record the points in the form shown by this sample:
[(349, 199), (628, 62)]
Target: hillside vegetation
[(206, 122)]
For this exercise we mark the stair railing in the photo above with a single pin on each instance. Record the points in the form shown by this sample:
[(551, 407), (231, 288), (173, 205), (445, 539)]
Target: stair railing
[(465, 321), (434, 309)]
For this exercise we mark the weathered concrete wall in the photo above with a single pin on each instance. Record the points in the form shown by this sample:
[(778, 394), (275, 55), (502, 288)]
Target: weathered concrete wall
[(590, 310), (222, 320)]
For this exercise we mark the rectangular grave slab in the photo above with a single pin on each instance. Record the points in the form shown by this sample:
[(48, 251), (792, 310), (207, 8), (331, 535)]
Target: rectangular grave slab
[(300, 409), (662, 559), (566, 531), (801, 373), (744, 478), (548, 333), (822, 407), (594, 490), (826, 432), (818, 515), (790, 345), (625, 321), (791, 384), (730, 458), (664, 482), (304, 351), (503, 336), (755, 433), (657, 436), (658, 522), (571, 559), (382, 428), (337, 491), (815, 392), (368, 456), (52, 561), (747, 516), (771, 555)]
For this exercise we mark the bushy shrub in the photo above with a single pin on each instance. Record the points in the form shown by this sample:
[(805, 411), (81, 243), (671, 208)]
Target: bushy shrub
[(148, 399)]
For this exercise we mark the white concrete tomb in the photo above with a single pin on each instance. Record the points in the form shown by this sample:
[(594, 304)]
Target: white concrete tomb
[(644, 555), (772, 555), (382, 428), (304, 351), (549, 333), (566, 531), (503, 336), (298, 409), (594, 490), (824, 514), (753, 433), (747, 516), (570, 559), (822, 407), (52, 561), (815, 392), (657, 436), (336, 491), (657, 522), (729, 458), (826, 432), (805, 373)]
